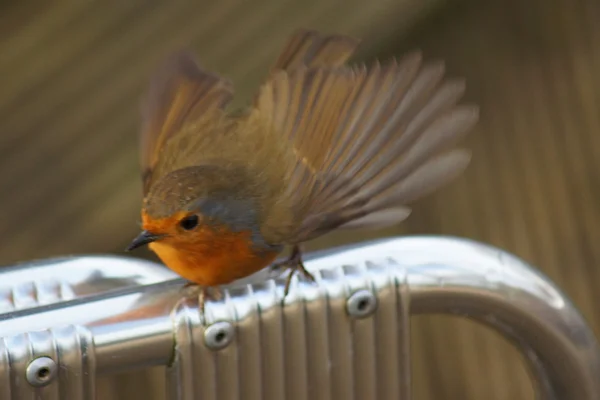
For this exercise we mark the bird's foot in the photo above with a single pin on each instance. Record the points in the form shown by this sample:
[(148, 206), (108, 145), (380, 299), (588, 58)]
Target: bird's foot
[(295, 264), (191, 289)]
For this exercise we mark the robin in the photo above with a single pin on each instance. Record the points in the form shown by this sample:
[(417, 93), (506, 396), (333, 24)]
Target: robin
[(323, 146)]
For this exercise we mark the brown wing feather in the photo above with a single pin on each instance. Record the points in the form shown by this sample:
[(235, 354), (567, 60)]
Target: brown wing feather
[(179, 92), (372, 138), (314, 49)]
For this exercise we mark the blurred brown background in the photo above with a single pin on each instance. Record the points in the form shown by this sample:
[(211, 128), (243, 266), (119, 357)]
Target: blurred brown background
[(71, 76)]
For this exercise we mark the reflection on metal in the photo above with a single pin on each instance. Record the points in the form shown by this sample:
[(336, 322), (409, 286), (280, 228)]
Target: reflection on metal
[(345, 337), (52, 281)]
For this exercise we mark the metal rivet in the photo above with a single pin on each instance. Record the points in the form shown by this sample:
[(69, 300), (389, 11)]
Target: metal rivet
[(361, 304), (218, 335), (41, 371)]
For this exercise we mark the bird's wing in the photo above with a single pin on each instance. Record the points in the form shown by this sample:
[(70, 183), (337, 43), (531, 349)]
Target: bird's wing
[(366, 140), (314, 49), (180, 92)]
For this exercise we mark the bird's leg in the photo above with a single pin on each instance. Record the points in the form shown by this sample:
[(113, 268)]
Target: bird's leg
[(293, 263), (191, 289)]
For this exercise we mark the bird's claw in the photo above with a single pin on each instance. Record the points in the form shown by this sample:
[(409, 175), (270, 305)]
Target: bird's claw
[(295, 264)]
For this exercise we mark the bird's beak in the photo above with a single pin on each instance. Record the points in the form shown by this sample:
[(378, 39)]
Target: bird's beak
[(143, 238)]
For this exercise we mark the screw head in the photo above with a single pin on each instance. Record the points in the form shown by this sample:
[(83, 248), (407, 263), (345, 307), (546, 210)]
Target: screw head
[(218, 335), (361, 304), (41, 371)]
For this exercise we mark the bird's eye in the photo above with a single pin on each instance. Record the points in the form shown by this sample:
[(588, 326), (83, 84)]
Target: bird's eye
[(190, 222)]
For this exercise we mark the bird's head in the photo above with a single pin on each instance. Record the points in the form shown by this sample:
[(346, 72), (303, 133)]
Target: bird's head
[(190, 207)]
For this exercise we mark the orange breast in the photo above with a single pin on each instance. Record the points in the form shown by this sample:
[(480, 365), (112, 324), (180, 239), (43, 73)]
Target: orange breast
[(211, 258)]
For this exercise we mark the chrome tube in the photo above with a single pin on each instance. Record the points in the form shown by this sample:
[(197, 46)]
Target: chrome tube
[(44, 282), (347, 334)]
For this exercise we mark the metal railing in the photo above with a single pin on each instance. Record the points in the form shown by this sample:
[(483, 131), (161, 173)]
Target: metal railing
[(66, 322)]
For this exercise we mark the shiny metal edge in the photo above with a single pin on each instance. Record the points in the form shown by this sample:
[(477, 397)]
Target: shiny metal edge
[(423, 274), (43, 282)]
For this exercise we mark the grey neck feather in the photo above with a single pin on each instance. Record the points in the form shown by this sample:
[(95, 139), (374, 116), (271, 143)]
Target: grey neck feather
[(237, 214)]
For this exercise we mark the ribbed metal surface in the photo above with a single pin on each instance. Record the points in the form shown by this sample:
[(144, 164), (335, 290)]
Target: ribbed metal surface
[(33, 294), (71, 349), (344, 337), (315, 347), (310, 349)]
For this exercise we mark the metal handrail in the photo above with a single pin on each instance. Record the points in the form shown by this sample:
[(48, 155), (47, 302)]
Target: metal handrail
[(357, 314)]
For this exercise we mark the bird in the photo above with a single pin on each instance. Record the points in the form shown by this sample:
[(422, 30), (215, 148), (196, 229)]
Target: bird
[(324, 145)]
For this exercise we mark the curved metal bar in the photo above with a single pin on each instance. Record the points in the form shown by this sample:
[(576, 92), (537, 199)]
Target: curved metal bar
[(499, 290), (321, 327)]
